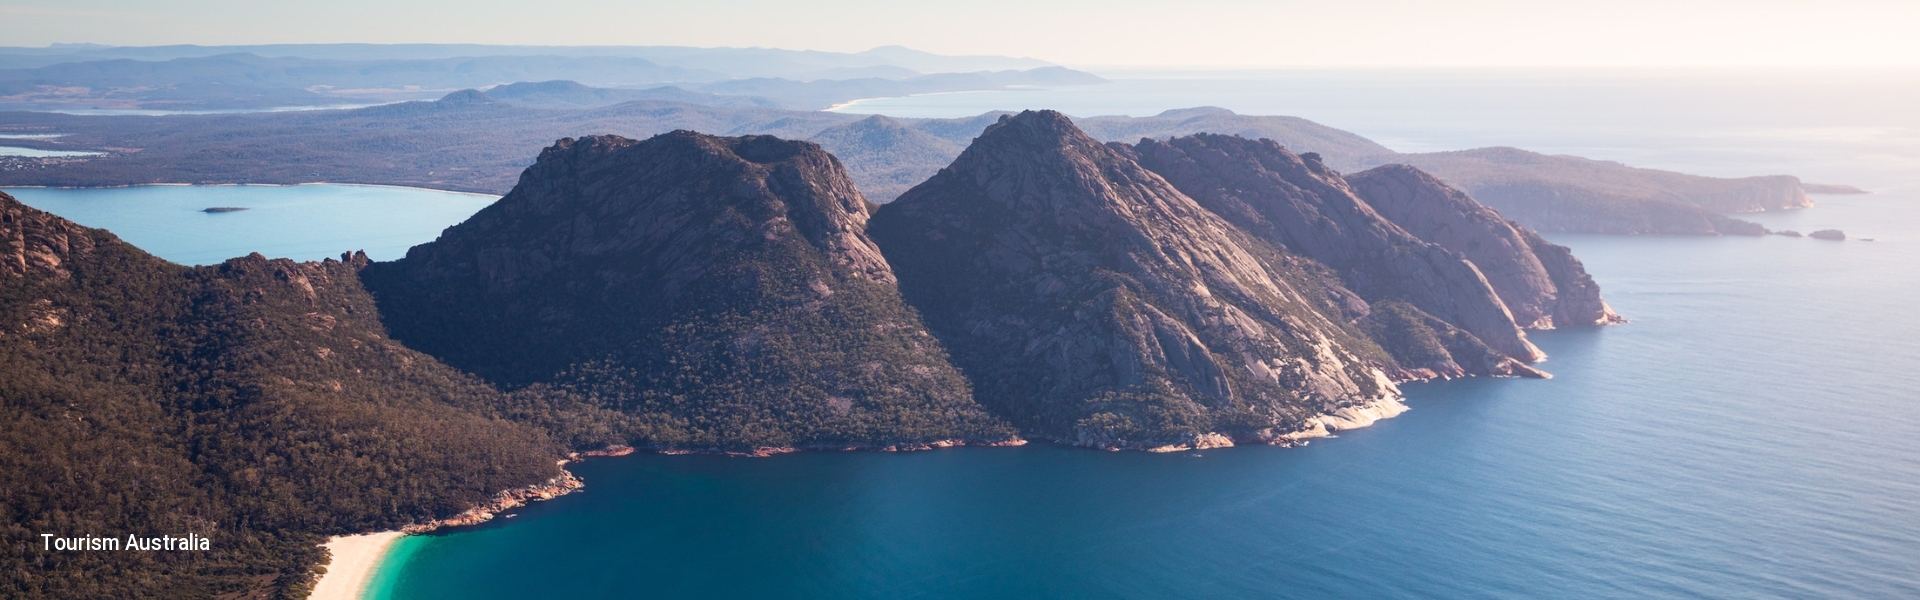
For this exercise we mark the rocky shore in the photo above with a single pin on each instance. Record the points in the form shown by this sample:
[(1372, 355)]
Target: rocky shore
[(560, 485)]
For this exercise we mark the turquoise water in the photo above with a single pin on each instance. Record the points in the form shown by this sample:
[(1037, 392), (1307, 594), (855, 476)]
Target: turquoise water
[(1752, 433), (302, 222)]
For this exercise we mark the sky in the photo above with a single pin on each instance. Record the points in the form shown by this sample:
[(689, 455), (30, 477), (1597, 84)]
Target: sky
[(1205, 33)]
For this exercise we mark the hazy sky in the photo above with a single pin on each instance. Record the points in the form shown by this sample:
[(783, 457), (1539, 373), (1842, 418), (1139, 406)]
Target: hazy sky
[(1073, 32)]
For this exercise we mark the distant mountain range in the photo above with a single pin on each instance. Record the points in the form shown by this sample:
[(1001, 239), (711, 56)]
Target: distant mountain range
[(244, 77), (477, 141)]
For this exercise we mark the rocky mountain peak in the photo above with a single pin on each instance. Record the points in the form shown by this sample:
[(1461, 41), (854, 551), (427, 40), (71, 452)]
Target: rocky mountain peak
[(1092, 302), (1303, 207), (723, 285)]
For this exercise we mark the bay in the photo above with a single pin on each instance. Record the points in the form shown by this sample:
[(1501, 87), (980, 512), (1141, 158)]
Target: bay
[(302, 222)]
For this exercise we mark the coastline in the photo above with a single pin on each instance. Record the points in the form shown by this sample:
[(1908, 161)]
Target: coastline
[(355, 559)]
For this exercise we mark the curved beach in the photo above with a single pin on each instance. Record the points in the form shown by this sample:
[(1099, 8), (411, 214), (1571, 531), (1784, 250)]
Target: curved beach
[(355, 558)]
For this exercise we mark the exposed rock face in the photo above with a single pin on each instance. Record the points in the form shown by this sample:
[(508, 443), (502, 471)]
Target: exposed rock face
[(1305, 208), (37, 242), (1092, 302), (1542, 284), (722, 288)]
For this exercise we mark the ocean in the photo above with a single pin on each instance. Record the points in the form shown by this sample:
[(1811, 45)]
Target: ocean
[(1753, 431)]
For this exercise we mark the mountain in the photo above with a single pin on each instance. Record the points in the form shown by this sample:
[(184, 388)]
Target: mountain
[(722, 291), (283, 75), (694, 292), (885, 156), (571, 94), (236, 81), (257, 403), (1300, 206), (1093, 303), (1573, 194), (1540, 282)]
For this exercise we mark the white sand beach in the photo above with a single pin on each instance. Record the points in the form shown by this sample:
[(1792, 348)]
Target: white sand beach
[(355, 557)]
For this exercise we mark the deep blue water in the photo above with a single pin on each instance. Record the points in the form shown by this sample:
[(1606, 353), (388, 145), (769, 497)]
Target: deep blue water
[(303, 222)]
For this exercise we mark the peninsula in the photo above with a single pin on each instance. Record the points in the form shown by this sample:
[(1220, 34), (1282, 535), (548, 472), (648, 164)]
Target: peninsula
[(736, 294)]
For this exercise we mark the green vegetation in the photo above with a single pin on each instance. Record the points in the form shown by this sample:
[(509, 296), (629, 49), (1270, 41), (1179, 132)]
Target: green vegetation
[(257, 403)]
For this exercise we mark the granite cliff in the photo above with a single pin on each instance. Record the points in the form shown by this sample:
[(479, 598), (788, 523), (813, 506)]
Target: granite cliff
[(1093, 303), (1300, 206), (722, 291), (1541, 283)]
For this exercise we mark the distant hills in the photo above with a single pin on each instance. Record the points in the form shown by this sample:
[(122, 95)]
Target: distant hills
[(252, 77), (477, 141)]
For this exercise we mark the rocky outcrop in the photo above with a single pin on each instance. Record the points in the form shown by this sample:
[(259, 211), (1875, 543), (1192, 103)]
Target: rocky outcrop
[(1093, 303), (722, 290), (1832, 235), (38, 242), (1305, 208), (1542, 284), (560, 485)]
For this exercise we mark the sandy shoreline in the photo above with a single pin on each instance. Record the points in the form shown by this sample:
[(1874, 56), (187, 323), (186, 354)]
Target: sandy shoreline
[(355, 558)]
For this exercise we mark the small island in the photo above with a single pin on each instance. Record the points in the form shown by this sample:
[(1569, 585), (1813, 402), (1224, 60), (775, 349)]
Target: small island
[(1828, 234), (223, 209)]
